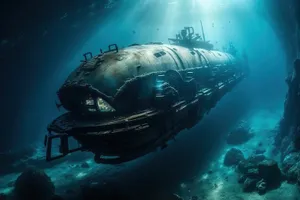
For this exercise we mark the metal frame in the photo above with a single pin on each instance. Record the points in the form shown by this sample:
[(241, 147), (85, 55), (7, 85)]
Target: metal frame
[(63, 147)]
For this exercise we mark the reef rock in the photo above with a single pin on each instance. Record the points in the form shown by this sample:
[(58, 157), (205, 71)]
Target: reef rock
[(291, 166), (260, 150), (250, 163), (239, 135), (85, 165), (33, 184), (233, 157), (257, 173), (261, 187), (269, 171), (249, 185), (290, 160)]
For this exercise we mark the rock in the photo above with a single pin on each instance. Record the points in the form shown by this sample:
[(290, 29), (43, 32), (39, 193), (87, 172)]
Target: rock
[(260, 151), (3, 196), (255, 159), (261, 187), (33, 184), (241, 178), (233, 157), (239, 136), (85, 165), (252, 173), (293, 173), (269, 171), (250, 163), (249, 185), (194, 198), (289, 161), (11, 184)]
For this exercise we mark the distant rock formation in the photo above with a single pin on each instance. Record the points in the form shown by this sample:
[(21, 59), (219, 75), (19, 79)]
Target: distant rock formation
[(240, 134), (233, 157)]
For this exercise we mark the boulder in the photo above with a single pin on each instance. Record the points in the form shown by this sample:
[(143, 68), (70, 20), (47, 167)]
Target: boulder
[(260, 150), (239, 135), (269, 171), (250, 163), (241, 178), (33, 184), (249, 185), (3, 196), (85, 165), (261, 187), (289, 161), (233, 157), (252, 173)]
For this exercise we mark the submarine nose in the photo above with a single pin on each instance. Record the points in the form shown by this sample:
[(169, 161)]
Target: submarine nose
[(82, 98)]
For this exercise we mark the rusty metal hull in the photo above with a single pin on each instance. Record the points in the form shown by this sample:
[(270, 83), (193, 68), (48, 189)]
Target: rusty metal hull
[(145, 117)]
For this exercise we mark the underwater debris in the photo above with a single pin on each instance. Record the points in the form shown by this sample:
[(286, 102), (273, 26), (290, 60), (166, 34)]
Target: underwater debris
[(233, 157), (33, 184)]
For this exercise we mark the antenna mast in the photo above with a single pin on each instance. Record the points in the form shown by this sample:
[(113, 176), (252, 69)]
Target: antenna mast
[(203, 35)]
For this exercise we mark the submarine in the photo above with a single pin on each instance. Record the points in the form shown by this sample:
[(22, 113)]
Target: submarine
[(125, 103)]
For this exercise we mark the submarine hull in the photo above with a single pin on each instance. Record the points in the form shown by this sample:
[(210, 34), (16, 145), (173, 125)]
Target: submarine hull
[(123, 104), (126, 138)]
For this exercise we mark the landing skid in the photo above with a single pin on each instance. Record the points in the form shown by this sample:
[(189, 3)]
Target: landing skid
[(64, 148)]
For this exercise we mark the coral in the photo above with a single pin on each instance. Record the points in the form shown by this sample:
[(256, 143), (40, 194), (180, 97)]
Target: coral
[(33, 184), (233, 157)]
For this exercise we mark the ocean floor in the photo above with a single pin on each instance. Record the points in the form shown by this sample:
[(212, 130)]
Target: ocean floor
[(221, 182), (217, 183)]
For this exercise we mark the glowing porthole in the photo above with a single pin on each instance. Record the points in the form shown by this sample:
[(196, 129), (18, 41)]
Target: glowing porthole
[(103, 106)]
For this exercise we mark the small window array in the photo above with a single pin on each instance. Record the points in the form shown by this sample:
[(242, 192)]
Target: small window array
[(159, 54)]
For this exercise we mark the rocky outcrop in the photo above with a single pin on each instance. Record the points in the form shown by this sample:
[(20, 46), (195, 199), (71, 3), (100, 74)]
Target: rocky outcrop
[(240, 134), (288, 137), (33, 184), (233, 157), (258, 173)]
